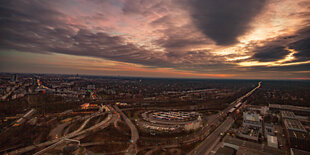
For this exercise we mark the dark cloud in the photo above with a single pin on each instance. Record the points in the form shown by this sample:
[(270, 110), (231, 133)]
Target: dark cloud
[(303, 48), (22, 29), (35, 26), (278, 48), (224, 20), (179, 42), (177, 39), (299, 67), (266, 54)]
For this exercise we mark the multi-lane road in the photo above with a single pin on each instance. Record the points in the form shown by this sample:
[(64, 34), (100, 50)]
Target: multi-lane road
[(206, 145), (111, 117), (132, 149), (204, 148)]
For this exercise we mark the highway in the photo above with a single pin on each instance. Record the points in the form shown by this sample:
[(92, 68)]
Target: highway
[(206, 145), (76, 133), (203, 148), (56, 132), (132, 149)]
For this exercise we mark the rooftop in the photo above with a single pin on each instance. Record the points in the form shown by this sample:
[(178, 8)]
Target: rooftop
[(299, 152), (251, 116), (298, 134), (272, 139), (225, 151), (294, 125), (289, 107), (288, 114), (270, 119), (245, 146), (244, 150)]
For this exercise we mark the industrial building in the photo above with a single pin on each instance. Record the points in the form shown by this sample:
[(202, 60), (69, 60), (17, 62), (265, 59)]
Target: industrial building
[(272, 141), (269, 121), (304, 111), (287, 115), (252, 119), (294, 125), (299, 140), (246, 147), (297, 135)]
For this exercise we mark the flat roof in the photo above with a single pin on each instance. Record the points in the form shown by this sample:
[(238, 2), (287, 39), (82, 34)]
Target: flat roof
[(251, 116), (272, 139), (245, 151), (298, 134), (294, 125), (252, 146), (295, 151), (225, 151), (289, 107), (288, 114)]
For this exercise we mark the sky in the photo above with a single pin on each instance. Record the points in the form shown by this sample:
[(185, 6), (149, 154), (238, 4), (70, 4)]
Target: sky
[(240, 39)]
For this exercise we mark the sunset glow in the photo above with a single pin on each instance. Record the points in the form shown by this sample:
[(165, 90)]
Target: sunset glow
[(148, 38)]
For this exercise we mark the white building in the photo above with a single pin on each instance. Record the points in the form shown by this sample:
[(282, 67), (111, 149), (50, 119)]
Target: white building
[(252, 119), (272, 141)]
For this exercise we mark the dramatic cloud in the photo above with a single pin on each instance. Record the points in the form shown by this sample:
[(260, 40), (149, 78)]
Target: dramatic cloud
[(32, 32), (303, 48), (266, 54), (278, 48), (224, 20), (239, 39)]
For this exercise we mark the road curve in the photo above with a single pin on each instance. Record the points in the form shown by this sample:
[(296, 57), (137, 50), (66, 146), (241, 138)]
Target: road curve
[(132, 149)]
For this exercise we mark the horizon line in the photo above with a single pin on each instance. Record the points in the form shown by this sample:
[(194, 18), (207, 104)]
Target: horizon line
[(148, 77)]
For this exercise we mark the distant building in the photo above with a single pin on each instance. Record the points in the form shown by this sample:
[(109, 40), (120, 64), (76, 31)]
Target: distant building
[(89, 106), (14, 78), (91, 87), (121, 104)]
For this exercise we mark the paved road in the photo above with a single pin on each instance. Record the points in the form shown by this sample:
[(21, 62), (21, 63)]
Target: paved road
[(213, 120), (57, 131), (74, 134), (132, 149), (210, 141), (206, 146), (70, 135), (101, 143)]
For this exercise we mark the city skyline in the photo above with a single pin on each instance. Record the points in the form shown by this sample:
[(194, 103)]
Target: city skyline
[(259, 39)]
